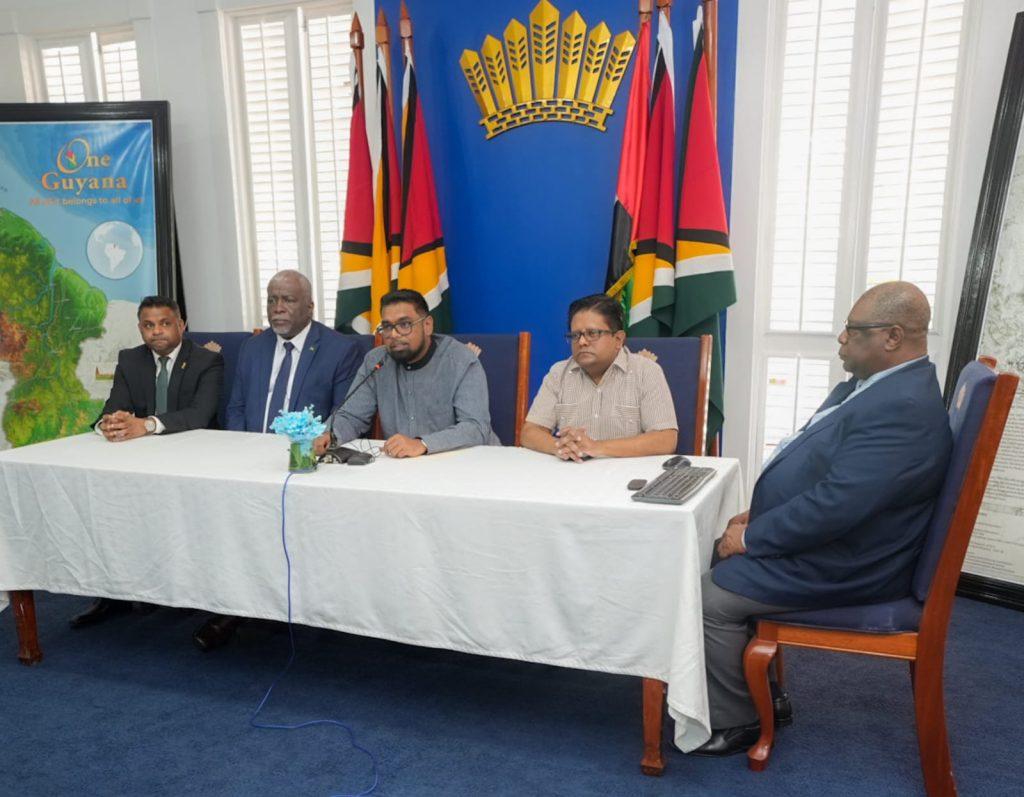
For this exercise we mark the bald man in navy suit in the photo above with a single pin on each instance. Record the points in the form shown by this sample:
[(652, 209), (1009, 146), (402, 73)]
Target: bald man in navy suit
[(297, 363), (839, 513)]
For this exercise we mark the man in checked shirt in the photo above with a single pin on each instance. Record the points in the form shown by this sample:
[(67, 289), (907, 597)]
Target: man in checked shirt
[(604, 401)]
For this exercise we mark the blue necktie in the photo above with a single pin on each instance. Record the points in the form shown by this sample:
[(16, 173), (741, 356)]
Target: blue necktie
[(161, 386), (280, 385)]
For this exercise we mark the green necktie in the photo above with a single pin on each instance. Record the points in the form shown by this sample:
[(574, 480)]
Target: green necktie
[(161, 387)]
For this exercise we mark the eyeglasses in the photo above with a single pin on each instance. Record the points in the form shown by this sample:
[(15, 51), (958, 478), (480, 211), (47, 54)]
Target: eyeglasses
[(403, 327), (591, 334), (874, 325)]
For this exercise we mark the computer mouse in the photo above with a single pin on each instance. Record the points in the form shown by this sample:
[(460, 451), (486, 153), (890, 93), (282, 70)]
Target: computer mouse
[(678, 461)]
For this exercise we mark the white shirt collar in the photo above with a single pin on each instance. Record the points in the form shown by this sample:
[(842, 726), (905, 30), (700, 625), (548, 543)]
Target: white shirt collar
[(864, 383), (170, 358), (298, 340)]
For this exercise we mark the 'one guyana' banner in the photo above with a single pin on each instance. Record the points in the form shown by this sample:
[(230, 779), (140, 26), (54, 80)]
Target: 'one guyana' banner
[(423, 267), (353, 313), (704, 282), (619, 281), (653, 294)]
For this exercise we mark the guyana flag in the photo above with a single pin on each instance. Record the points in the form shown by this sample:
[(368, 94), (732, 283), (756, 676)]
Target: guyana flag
[(704, 283), (653, 294), (619, 281), (387, 205), (353, 308), (423, 267)]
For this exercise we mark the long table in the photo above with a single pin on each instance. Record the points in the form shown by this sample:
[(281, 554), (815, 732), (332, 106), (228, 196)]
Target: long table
[(496, 551)]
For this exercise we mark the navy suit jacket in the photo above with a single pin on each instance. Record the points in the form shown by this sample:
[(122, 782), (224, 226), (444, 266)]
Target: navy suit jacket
[(838, 517), (325, 369), (193, 390)]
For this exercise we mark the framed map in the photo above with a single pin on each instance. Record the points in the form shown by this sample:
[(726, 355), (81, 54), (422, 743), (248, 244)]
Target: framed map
[(85, 232), (991, 322)]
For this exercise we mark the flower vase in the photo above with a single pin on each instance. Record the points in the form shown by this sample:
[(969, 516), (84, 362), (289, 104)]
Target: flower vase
[(301, 458)]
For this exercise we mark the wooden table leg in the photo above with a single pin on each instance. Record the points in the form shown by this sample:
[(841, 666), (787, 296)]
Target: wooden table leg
[(653, 763), (23, 605)]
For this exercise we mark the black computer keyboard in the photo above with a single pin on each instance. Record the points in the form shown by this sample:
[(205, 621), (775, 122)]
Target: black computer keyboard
[(674, 486)]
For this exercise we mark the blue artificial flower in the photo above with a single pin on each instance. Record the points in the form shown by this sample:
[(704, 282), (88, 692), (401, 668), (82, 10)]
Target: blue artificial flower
[(299, 427)]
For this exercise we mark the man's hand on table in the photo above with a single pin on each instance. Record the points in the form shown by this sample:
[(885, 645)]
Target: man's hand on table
[(573, 443), (400, 446), (321, 443), (121, 425)]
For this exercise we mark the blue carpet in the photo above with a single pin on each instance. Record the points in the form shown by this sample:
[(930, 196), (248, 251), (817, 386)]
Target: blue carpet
[(130, 707)]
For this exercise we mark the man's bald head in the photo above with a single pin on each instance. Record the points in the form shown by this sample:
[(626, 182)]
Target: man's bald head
[(887, 326), (289, 303), (900, 303)]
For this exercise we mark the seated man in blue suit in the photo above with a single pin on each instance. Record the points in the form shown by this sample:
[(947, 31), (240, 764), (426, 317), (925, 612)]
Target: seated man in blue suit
[(839, 512), (302, 364)]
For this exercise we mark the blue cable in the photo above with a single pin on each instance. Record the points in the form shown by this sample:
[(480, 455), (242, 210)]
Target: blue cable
[(291, 658)]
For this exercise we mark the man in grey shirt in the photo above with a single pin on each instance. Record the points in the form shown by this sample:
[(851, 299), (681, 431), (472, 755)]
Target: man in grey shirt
[(429, 391)]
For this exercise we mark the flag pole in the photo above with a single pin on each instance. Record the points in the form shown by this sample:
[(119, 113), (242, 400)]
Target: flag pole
[(666, 6), (356, 42), (711, 53), (405, 26), (384, 42)]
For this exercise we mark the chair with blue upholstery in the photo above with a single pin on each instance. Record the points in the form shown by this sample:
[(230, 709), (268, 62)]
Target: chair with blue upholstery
[(912, 628), (687, 366), (228, 344), (506, 362)]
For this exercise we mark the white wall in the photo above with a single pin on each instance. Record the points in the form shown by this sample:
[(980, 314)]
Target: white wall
[(180, 61), (987, 30)]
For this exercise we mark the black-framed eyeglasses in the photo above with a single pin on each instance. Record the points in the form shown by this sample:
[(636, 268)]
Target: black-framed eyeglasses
[(403, 327), (590, 334), (873, 325)]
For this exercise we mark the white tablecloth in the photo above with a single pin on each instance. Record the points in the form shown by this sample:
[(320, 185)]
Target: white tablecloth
[(498, 551)]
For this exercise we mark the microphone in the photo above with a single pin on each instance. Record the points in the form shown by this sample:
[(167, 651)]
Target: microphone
[(340, 453)]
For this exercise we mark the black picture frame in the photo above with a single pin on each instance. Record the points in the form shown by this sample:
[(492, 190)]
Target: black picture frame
[(1006, 135), (158, 113)]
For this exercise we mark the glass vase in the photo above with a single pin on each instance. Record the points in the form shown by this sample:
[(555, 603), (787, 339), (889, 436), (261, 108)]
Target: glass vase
[(301, 458)]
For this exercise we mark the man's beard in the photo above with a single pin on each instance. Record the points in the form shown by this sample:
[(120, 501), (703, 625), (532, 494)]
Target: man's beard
[(405, 355)]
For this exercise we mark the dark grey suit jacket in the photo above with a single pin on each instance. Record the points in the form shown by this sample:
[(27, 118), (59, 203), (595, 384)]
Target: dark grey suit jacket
[(193, 391)]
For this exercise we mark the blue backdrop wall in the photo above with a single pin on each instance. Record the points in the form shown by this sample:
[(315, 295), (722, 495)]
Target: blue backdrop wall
[(527, 214)]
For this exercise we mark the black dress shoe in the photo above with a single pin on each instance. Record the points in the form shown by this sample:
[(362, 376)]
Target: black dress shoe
[(781, 707), (216, 632), (101, 609), (729, 741)]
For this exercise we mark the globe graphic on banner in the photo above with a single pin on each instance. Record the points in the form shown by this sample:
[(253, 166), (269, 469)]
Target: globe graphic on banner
[(114, 249)]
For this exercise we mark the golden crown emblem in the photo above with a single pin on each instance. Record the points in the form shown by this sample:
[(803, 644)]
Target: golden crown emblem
[(579, 87)]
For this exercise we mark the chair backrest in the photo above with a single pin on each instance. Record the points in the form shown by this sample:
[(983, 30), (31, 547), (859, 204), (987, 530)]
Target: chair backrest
[(977, 414), (506, 362), (687, 366), (228, 344)]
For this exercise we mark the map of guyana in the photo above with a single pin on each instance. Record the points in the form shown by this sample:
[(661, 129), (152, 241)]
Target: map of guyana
[(46, 313)]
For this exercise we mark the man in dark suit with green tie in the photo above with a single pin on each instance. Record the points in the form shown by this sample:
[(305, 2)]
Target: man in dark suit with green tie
[(166, 385)]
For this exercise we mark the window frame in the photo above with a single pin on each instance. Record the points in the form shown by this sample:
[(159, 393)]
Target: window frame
[(295, 16), (851, 270)]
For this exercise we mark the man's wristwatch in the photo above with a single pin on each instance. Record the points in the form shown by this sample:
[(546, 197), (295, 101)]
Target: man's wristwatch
[(150, 424)]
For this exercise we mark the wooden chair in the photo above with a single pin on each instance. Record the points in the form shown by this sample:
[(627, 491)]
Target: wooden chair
[(687, 366), (912, 628)]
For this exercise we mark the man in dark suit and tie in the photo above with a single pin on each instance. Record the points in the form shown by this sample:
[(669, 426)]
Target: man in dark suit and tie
[(839, 512), (166, 385), (302, 364)]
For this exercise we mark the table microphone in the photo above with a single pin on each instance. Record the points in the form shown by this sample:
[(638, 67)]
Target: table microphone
[(339, 453)]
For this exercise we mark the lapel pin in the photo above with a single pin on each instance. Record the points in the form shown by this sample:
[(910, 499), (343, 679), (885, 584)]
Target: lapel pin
[(183, 365)]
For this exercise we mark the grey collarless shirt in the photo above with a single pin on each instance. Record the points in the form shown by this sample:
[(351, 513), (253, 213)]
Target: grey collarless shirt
[(442, 400)]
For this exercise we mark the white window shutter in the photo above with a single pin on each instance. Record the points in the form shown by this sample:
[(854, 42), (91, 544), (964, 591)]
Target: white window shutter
[(268, 108), (120, 69), (64, 73), (331, 94), (918, 86)]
